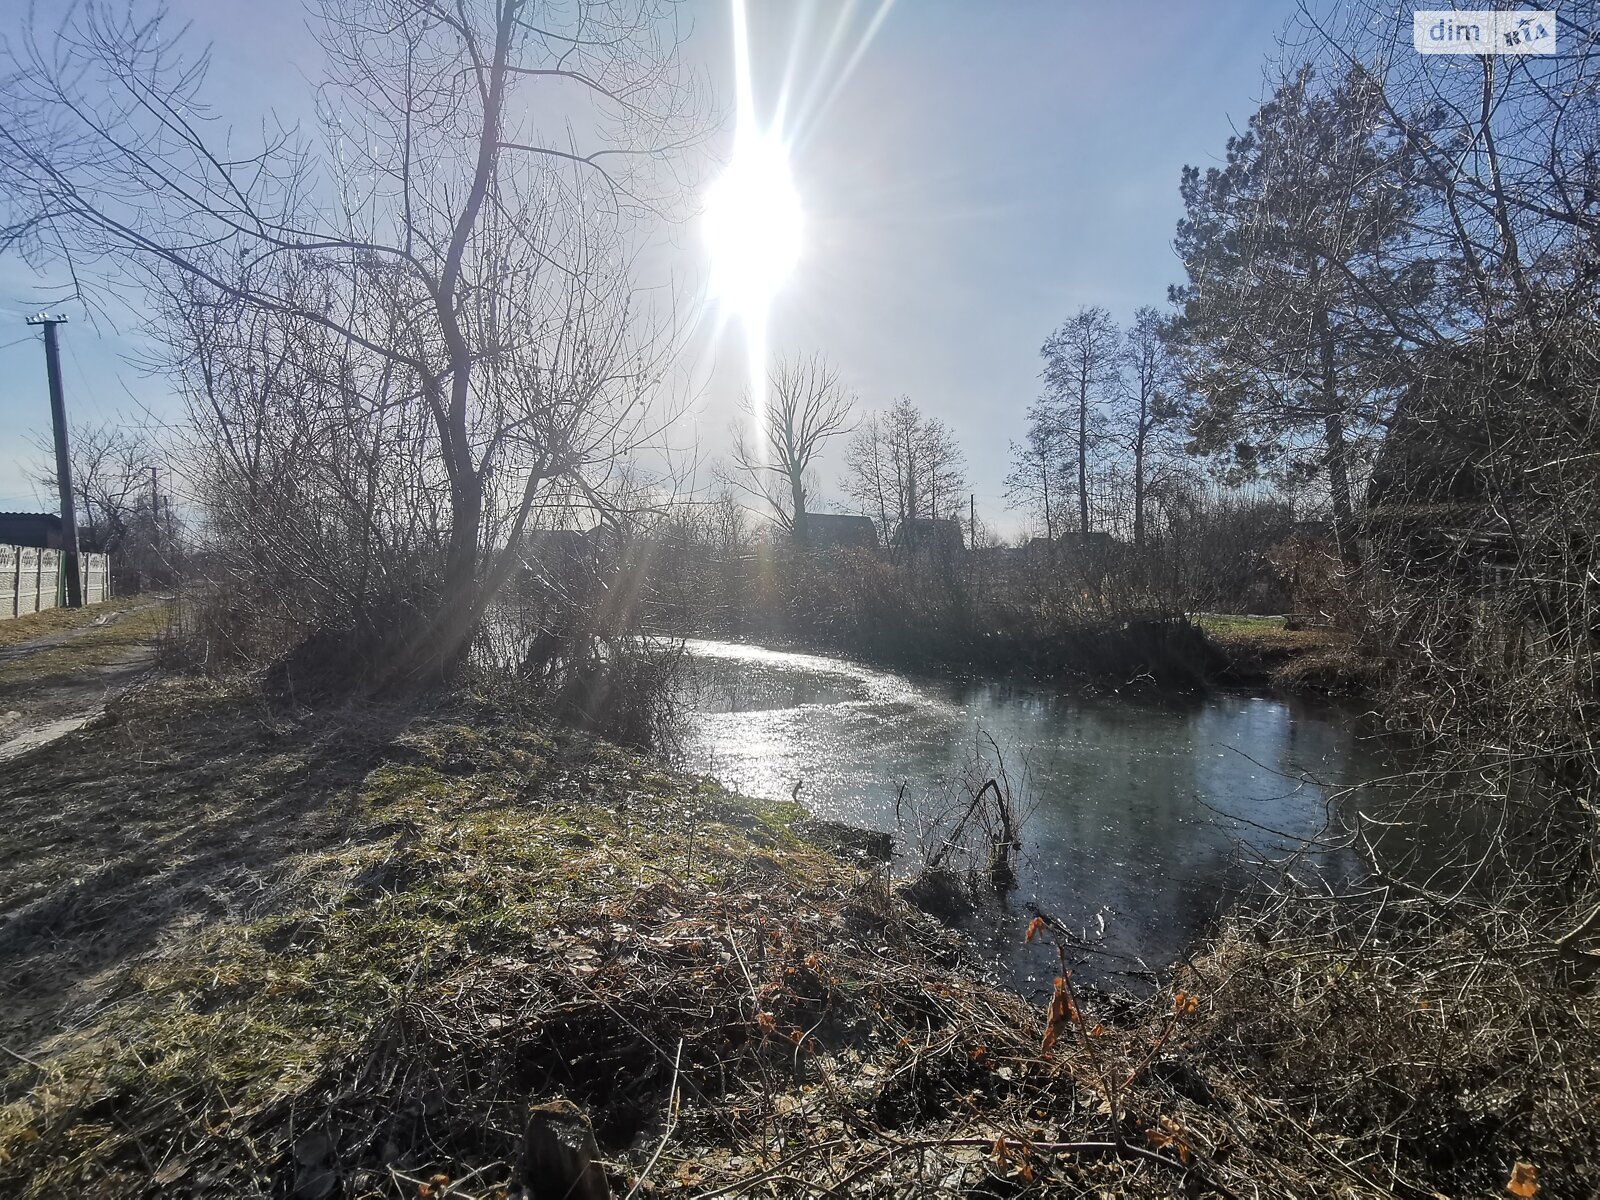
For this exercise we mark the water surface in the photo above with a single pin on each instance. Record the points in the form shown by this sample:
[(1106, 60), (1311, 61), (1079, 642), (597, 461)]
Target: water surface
[(1142, 819)]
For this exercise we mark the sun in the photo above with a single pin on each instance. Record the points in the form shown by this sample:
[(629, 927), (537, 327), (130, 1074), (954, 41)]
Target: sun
[(753, 225)]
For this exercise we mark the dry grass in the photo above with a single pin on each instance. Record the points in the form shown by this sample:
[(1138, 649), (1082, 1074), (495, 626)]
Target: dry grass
[(1267, 633), (104, 646), (229, 928), (61, 620), (1262, 650), (1388, 1047)]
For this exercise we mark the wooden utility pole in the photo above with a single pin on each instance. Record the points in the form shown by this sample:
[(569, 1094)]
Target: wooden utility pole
[(155, 511), (972, 552), (58, 418)]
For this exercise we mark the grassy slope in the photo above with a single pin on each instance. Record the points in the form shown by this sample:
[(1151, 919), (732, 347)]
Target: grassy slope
[(229, 930), (61, 620), (1262, 650)]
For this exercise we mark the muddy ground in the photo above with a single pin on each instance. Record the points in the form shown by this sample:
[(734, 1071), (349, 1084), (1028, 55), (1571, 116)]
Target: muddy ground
[(59, 668)]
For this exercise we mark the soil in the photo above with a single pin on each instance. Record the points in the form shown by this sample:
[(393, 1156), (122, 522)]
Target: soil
[(59, 681)]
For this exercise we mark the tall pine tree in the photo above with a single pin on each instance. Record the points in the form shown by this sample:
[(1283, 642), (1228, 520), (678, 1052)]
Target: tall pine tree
[(1294, 250)]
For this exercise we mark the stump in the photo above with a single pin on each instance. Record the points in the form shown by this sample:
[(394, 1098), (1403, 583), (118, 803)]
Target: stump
[(558, 1155)]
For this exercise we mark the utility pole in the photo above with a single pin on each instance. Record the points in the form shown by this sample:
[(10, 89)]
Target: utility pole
[(972, 553), (155, 512), (58, 418)]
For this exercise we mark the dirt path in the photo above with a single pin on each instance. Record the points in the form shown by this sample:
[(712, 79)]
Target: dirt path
[(58, 682)]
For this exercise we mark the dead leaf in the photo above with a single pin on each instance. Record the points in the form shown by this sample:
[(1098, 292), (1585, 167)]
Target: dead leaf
[(1061, 1010), (1034, 927), (1524, 1181)]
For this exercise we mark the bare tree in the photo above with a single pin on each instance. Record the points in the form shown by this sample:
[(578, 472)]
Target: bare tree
[(111, 465), (1146, 409), (775, 450), (438, 270), (1080, 375), (1037, 480), (903, 464)]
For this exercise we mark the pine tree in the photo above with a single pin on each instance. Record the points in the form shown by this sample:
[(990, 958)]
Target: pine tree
[(1294, 251)]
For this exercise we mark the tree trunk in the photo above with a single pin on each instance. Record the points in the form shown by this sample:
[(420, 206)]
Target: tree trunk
[(1138, 494), (442, 649), (1083, 457), (1333, 434), (911, 480), (452, 627), (1339, 484), (797, 496), (1044, 475)]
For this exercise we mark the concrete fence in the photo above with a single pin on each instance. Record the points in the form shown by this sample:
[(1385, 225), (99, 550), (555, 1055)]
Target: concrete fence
[(31, 579)]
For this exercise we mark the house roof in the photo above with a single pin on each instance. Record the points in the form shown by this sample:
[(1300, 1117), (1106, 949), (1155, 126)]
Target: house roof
[(944, 531), (41, 530), (840, 529)]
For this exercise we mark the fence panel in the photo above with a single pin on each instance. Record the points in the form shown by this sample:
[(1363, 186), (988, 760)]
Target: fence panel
[(28, 586), (49, 578), (30, 579), (94, 574), (8, 581)]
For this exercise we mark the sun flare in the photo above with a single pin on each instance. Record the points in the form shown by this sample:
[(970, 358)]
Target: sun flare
[(752, 225), (753, 221)]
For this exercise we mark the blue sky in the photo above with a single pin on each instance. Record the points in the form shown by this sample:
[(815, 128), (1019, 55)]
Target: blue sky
[(982, 171)]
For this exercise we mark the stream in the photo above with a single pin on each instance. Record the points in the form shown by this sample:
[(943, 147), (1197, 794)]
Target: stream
[(1141, 819)]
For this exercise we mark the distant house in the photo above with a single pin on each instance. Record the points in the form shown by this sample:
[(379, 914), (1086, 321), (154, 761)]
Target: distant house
[(1094, 540), (42, 531), (1429, 501), (833, 531), (933, 535)]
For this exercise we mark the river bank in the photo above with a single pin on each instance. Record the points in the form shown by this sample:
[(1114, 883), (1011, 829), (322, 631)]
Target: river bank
[(1139, 655), (259, 951), (1269, 652)]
